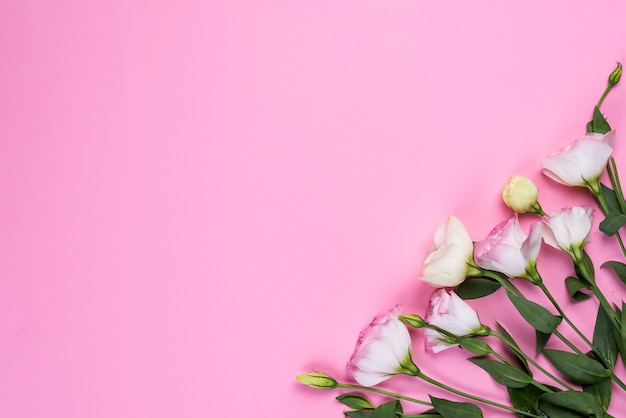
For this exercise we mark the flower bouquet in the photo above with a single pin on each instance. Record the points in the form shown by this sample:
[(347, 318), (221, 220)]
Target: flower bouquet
[(582, 377)]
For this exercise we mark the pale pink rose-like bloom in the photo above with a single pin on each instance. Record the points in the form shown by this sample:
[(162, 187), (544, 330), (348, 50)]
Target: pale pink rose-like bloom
[(582, 162), (508, 250), (382, 350), (567, 229), (447, 261), (451, 313)]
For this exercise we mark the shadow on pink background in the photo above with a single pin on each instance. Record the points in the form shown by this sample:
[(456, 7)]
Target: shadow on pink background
[(201, 200)]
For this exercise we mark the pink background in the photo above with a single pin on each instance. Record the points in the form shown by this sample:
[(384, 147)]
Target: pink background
[(201, 200)]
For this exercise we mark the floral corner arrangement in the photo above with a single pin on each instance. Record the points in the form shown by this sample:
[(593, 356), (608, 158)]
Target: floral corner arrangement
[(583, 376)]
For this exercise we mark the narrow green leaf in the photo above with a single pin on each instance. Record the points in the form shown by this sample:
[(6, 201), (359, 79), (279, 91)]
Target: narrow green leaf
[(355, 401), (474, 345), (598, 123), (610, 198), (612, 223), (621, 343), (504, 374), (450, 409), (391, 409), (618, 268), (542, 340), (601, 391), (559, 403), (536, 315), (476, 288), (588, 264), (525, 398), (604, 338), (578, 368), (575, 287), (509, 339), (431, 413)]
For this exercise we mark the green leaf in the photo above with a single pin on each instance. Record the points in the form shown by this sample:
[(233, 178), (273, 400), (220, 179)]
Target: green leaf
[(577, 368), (510, 341), (621, 342), (601, 391), (598, 123), (588, 264), (475, 346), (536, 315), (431, 413), (391, 409), (525, 398), (476, 288), (570, 403), (574, 287), (504, 374), (451, 409), (612, 223), (610, 198), (542, 340), (604, 338), (618, 268), (355, 401)]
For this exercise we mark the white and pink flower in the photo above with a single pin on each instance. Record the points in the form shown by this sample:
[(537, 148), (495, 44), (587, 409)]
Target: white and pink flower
[(452, 314), (447, 261), (568, 229), (508, 250), (582, 162), (382, 350)]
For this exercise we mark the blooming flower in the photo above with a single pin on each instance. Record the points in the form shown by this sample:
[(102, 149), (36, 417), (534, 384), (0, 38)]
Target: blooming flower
[(447, 261), (508, 250), (382, 350), (452, 314), (582, 162), (520, 194), (567, 229)]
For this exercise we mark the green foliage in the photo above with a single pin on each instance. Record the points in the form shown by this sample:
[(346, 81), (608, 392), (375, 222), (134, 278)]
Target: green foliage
[(355, 401), (604, 339), (601, 391), (391, 409), (577, 368), (475, 346), (511, 343), (536, 315), (568, 404), (476, 288), (618, 268), (598, 123), (575, 287), (504, 374), (450, 409)]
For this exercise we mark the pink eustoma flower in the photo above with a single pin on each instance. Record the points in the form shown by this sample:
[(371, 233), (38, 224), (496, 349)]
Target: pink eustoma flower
[(450, 313), (508, 250), (567, 229), (382, 350), (582, 162)]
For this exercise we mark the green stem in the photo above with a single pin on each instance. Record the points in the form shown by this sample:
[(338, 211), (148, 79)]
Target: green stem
[(475, 398), (564, 316), (530, 360), (383, 392), (568, 343), (611, 168), (606, 91)]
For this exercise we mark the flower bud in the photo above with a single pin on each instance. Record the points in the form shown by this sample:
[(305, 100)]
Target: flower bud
[(615, 75), (520, 194), (317, 380), (412, 320)]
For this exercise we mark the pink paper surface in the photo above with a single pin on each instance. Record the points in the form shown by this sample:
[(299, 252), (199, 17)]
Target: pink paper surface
[(201, 200)]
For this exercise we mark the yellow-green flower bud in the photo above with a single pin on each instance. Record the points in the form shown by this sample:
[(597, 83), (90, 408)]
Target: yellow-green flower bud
[(414, 321), (615, 75), (317, 380), (520, 194)]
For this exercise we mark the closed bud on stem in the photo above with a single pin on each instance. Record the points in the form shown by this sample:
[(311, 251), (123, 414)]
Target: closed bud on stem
[(615, 75), (412, 320), (317, 380), (520, 194)]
